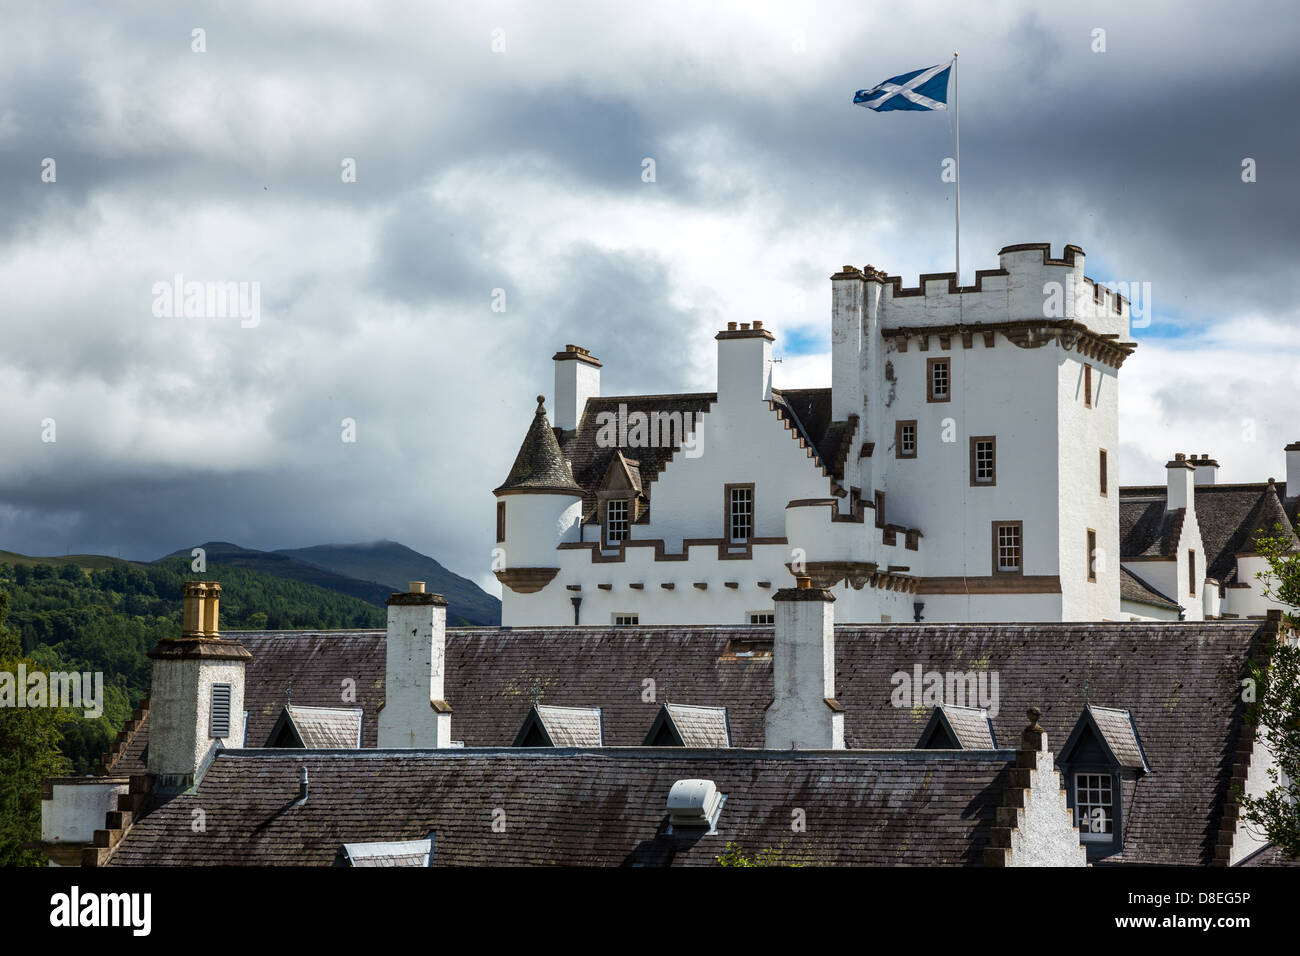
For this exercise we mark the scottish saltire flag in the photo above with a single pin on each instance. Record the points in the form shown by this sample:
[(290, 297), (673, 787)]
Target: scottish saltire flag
[(919, 90)]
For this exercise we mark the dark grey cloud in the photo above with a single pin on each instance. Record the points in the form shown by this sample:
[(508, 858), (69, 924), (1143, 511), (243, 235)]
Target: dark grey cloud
[(522, 171)]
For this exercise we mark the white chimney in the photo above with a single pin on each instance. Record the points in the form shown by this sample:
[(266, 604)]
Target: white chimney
[(1293, 469), (577, 378), (415, 711), (846, 343), (804, 714), (744, 363), (1182, 474), (1207, 470), (197, 695)]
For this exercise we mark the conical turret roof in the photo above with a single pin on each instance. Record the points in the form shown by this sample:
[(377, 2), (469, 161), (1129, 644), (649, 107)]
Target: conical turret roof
[(1267, 516), (539, 467)]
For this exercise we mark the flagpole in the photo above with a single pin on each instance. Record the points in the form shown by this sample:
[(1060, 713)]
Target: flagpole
[(956, 122)]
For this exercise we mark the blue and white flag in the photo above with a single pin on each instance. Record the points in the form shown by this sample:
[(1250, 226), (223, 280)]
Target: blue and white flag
[(919, 90)]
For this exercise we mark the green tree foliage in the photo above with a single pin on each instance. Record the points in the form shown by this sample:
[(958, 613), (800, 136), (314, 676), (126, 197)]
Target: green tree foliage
[(106, 620), (1275, 710), (29, 752), (733, 854)]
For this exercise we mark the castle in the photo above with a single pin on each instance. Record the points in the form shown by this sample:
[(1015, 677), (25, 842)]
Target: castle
[(659, 690), (961, 467)]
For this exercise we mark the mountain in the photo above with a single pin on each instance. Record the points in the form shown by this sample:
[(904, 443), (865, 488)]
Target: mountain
[(225, 554), (394, 565), (89, 561)]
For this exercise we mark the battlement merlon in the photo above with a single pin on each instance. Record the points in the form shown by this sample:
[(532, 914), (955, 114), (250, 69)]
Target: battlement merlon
[(1027, 285)]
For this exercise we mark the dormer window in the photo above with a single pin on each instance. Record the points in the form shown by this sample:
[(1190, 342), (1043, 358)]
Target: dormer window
[(1100, 759), (1094, 808)]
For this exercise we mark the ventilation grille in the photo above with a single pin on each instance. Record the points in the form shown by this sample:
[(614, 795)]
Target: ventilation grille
[(220, 723)]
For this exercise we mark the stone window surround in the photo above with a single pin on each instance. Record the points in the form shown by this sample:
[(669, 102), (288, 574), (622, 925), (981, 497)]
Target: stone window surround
[(997, 571), (974, 444), (930, 394), (898, 438)]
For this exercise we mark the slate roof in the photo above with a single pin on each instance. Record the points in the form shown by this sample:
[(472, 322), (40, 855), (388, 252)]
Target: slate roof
[(1270, 855), (1228, 516), (568, 726), (1145, 529), (539, 466), (696, 726), (133, 757), (970, 727), (575, 807), (1177, 679), (329, 728), (403, 853), (591, 461), (811, 409), (1133, 588), (331, 669), (1119, 735)]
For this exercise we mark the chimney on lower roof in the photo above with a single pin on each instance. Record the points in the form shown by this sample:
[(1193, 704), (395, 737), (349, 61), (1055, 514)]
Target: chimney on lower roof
[(415, 711), (197, 695), (804, 714)]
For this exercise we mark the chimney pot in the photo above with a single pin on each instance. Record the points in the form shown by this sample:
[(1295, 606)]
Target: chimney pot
[(416, 587), (803, 582), (744, 326), (1179, 456), (1292, 469), (731, 326), (758, 324)]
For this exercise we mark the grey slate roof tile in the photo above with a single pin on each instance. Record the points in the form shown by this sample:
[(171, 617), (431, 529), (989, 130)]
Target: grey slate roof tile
[(575, 807), (1117, 730), (327, 728), (1178, 680), (699, 726), (539, 465), (571, 726), (971, 725), (1133, 588), (1228, 516)]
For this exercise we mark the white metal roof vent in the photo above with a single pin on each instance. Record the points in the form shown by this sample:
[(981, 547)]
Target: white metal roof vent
[(695, 803)]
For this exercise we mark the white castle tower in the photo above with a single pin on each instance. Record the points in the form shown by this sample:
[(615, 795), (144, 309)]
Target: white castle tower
[(961, 466)]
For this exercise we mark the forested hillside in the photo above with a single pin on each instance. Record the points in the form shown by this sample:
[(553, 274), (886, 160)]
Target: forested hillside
[(70, 618)]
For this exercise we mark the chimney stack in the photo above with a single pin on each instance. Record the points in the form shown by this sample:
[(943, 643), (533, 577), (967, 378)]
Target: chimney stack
[(1182, 475), (744, 363), (847, 332), (1293, 469), (197, 697), (577, 378), (804, 714), (1207, 470), (415, 712)]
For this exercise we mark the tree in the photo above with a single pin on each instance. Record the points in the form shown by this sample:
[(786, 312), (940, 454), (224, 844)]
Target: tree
[(29, 752), (733, 854), (1275, 710)]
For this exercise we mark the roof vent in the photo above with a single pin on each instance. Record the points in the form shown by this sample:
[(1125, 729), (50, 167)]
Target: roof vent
[(695, 804)]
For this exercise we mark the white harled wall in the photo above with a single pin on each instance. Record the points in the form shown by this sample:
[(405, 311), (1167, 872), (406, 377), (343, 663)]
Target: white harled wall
[(1029, 398)]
